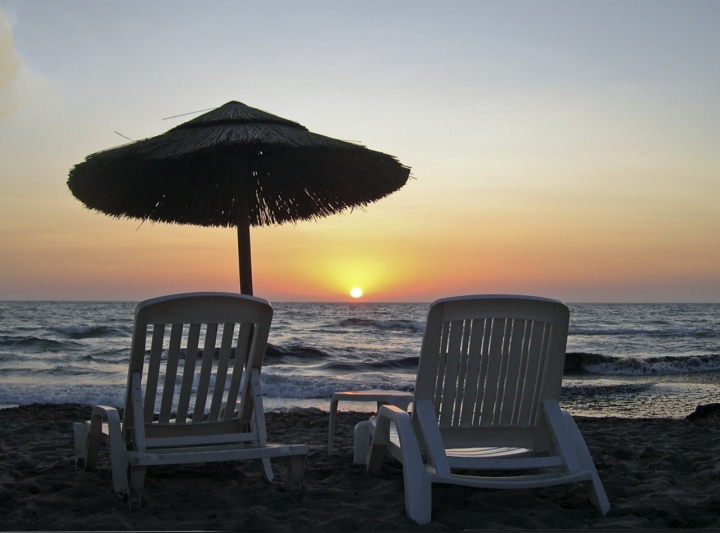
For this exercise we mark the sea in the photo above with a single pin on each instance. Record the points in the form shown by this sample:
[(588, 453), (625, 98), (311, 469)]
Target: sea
[(624, 360)]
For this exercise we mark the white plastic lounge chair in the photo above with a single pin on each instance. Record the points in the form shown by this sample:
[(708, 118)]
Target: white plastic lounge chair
[(212, 413), (486, 398)]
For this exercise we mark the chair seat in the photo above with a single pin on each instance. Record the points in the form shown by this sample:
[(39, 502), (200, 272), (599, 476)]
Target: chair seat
[(467, 457), (533, 481), (213, 454), (487, 452)]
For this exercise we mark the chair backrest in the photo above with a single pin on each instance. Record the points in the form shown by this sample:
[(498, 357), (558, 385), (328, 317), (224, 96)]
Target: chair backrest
[(488, 362), (205, 350)]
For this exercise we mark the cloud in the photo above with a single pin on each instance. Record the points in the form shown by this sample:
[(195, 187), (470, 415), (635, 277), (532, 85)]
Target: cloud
[(10, 65)]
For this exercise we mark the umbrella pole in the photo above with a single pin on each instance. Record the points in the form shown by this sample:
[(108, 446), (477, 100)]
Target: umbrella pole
[(243, 233)]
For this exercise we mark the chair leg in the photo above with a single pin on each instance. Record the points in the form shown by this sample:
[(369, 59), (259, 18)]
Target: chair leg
[(418, 495), (267, 469), (361, 443), (118, 451), (597, 495), (295, 471), (81, 430), (378, 447), (94, 441), (418, 486), (594, 487), (136, 482), (331, 425)]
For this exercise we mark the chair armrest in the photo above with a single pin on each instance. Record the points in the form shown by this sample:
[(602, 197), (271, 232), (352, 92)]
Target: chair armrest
[(103, 410), (427, 419), (561, 434), (118, 448), (111, 414), (381, 438)]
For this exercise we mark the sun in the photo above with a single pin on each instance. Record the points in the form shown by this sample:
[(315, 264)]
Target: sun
[(356, 292)]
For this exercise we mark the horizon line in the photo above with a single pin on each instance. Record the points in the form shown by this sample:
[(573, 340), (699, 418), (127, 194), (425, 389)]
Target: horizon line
[(365, 301)]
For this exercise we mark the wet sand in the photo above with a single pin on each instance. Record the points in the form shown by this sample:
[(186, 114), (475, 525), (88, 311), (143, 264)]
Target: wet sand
[(658, 473)]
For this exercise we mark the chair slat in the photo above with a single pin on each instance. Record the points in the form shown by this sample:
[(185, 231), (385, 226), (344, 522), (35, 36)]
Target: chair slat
[(540, 377), (205, 372), (503, 364), (494, 359), (441, 367), (451, 374), (482, 378), (472, 373), (135, 405), (171, 372), (153, 370), (522, 374), (258, 420), (514, 359), (241, 354), (193, 341), (534, 350), (221, 374), (462, 373)]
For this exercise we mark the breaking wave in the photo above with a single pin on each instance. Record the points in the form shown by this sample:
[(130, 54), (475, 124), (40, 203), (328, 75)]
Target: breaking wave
[(35, 343), (85, 332), (589, 363), (660, 332), (384, 324)]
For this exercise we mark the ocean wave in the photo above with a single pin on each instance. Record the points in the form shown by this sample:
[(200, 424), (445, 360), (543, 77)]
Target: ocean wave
[(85, 332), (13, 394), (588, 391), (405, 363), (663, 332), (50, 345), (295, 350), (272, 353), (588, 363), (384, 324), (276, 386), (575, 363)]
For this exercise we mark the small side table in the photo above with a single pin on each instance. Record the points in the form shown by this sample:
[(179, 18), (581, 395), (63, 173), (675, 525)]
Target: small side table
[(397, 398)]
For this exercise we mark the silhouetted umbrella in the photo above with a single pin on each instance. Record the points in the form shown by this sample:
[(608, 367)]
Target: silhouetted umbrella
[(235, 166)]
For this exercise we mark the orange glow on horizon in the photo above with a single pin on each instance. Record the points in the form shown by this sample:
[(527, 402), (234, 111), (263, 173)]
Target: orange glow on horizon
[(102, 258)]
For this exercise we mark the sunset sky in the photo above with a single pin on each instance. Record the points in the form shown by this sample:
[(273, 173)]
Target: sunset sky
[(561, 149)]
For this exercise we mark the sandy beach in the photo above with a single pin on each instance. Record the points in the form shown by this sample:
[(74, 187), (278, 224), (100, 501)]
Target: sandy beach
[(658, 473)]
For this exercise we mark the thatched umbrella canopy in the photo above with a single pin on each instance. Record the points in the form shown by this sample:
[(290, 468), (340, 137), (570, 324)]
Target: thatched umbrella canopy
[(235, 166)]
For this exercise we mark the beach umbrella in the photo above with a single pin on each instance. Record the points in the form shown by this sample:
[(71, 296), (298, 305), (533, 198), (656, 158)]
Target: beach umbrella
[(235, 166)]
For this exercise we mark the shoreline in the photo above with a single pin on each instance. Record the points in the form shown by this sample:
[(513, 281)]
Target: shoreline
[(594, 395), (623, 396), (658, 473)]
